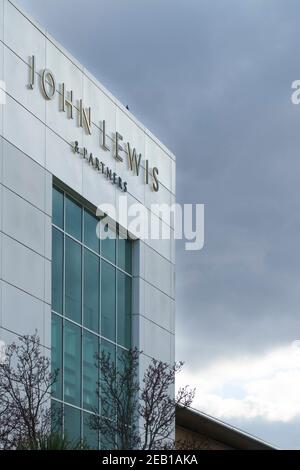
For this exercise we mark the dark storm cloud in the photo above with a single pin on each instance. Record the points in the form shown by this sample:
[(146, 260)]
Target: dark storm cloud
[(212, 79)]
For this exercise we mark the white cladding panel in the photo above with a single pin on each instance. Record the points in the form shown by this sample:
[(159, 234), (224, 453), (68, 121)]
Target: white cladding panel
[(37, 146)]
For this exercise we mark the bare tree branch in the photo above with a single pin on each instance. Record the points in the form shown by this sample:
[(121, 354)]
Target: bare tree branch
[(117, 389), (25, 388), (135, 416)]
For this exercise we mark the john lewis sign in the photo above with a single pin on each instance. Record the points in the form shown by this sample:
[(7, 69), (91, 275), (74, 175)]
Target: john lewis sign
[(72, 107)]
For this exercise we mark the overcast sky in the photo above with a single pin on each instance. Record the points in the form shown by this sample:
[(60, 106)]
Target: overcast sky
[(212, 79)]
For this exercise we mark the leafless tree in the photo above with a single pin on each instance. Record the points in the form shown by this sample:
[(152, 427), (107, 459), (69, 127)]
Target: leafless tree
[(117, 389), (137, 415), (158, 406), (25, 387), (134, 414)]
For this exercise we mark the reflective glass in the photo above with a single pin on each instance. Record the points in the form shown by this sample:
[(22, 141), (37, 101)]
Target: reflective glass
[(72, 418), (90, 231), (96, 296), (72, 366), (124, 310), (90, 371), (107, 405), (58, 208), (57, 270), (108, 245), (125, 254), (56, 417), (56, 354), (90, 436), (91, 293), (108, 301), (108, 348), (73, 218), (107, 442), (73, 280)]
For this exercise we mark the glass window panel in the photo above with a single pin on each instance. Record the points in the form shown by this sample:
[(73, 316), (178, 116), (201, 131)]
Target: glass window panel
[(90, 436), (90, 371), (125, 254), (82, 276), (57, 270), (56, 417), (72, 419), (90, 231), (108, 245), (107, 442), (124, 310), (107, 406), (73, 218), (123, 363), (108, 301), (58, 208), (56, 354), (91, 293), (72, 369), (73, 280), (108, 348), (122, 359)]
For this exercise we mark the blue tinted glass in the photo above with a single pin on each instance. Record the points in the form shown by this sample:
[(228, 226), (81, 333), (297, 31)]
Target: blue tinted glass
[(57, 270), (108, 406), (72, 370), (124, 310), (56, 355), (107, 442), (91, 301), (108, 348), (90, 437), (56, 417), (108, 245), (125, 254), (122, 359), (72, 418), (58, 208), (108, 301), (73, 218), (73, 280), (90, 371), (93, 293), (90, 231)]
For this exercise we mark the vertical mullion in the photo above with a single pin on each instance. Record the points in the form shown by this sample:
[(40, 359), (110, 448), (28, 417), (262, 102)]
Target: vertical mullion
[(99, 297), (116, 290), (63, 316), (82, 319), (99, 392), (116, 305), (100, 325), (82, 309), (100, 322), (81, 378), (100, 329)]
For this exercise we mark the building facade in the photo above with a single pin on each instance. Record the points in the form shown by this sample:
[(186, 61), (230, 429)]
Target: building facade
[(66, 147)]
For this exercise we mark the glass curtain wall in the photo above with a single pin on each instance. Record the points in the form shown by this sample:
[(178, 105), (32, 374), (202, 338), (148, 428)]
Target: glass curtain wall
[(91, 309)]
